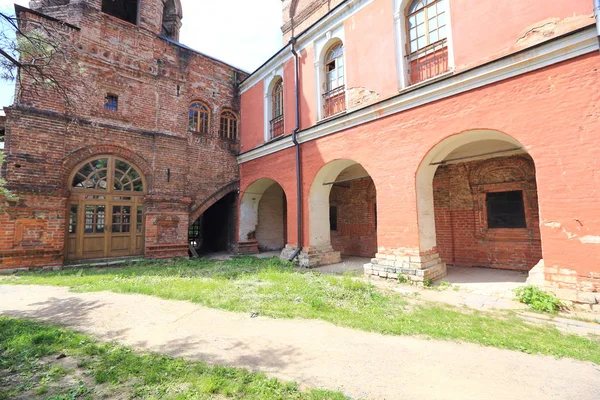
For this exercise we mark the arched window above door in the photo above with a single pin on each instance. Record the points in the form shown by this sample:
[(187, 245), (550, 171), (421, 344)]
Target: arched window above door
[(109, 174)]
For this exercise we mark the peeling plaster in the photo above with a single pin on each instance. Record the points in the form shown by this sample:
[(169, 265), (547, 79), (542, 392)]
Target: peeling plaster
[(587, 239), (590, 239)]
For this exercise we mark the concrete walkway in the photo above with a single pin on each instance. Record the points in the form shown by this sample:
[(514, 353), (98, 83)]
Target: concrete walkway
[(313, 353)]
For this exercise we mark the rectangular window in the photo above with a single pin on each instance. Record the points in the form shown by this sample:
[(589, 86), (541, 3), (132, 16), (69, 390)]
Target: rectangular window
[(127, 10), (111, 102), (333, 218), (505, 209)]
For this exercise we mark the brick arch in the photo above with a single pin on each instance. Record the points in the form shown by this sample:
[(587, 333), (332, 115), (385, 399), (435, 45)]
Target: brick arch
[(200, 208), (522, 170), (426, 171), (80, 155)]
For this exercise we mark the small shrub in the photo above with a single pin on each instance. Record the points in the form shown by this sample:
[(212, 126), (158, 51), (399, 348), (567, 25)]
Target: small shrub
[(428, 282), (538, 299), (444, 285)]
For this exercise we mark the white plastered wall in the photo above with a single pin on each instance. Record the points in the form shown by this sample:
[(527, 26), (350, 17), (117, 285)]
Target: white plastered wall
[(249, 206), (271, 213), (426, 172)]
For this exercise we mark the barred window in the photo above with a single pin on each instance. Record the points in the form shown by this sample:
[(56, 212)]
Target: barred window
[(111, 102), (199, 118), (505, 209), (277, 123), (229, 126), (334, 96), (426, 23)]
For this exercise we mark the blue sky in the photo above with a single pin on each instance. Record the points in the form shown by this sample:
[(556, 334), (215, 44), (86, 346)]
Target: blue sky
[(244, 33)]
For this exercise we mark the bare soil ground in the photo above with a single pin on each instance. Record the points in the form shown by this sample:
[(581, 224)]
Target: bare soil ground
[(313, 353)]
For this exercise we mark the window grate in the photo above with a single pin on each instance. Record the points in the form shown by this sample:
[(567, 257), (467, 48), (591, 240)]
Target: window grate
[(505, 210), (111, 102)]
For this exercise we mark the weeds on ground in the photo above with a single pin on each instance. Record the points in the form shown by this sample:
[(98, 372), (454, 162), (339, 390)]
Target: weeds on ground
[(273, 288), (110, 370), (538, 299)]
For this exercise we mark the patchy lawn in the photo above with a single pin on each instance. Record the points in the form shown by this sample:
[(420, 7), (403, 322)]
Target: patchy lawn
[(273, 288), (39, 361)]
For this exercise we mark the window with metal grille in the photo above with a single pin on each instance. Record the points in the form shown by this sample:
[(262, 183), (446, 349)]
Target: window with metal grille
[(111, 102), (277, 126), (199, 117), (229, 126), (426, 24), (334, 95), (127, 10), (505, 209), (333, 218)]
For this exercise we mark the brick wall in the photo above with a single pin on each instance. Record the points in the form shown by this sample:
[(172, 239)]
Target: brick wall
[(463, 237), (155, 81), (356, 233)]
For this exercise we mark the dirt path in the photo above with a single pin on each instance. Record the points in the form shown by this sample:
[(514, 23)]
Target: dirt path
[(317, 354)]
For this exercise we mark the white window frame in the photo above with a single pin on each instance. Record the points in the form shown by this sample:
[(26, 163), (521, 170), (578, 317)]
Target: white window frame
[(402, 40), (321, 46), (269, 84)]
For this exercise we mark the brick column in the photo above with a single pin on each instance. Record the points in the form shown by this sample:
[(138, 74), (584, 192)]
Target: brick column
[(312, 257), (410, 263)]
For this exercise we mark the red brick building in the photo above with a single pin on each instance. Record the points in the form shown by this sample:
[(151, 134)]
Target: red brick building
[(418, 133), (145, 152), (430, 133)]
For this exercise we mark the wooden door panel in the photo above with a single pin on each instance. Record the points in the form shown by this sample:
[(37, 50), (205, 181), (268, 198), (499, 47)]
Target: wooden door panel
[(93, 247)]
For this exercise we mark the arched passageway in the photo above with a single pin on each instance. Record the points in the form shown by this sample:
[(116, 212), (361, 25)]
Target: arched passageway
[(263, 217), (477, 202), (342, 214), (214, 230)]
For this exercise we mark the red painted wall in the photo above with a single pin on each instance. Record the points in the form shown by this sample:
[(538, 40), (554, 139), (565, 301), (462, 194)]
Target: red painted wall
[(550, 112), (370, 56), (252, 129), (486, 30), (481, 31)]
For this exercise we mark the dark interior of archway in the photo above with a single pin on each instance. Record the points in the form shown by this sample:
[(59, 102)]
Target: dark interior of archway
[(214, 231), (353, 217)]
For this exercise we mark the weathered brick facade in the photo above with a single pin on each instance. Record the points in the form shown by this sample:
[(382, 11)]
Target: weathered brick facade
[(463, 237), (155, 80), (356, 230)]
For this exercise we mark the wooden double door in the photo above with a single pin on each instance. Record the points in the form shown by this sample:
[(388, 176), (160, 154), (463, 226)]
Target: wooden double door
[(106, 211), (108, 228)]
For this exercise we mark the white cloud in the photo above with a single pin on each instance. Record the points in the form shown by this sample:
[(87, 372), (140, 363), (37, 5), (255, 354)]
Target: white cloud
[(244, 33)]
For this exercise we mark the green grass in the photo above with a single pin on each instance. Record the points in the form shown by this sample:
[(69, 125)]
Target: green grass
[(273, 288), (111, 369)]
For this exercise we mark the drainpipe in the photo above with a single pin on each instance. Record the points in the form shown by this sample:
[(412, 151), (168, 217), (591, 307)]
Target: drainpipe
[(297, 146), (597, 15)]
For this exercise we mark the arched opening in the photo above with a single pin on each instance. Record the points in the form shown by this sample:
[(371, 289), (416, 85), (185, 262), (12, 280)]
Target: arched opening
[(214, 230), (343, 214), (263, 217), (477, 203), (105, 215)]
